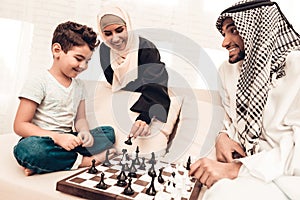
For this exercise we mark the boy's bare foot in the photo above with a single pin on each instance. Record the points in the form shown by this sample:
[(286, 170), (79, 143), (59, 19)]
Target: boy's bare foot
[(100, 157), (27, 172)]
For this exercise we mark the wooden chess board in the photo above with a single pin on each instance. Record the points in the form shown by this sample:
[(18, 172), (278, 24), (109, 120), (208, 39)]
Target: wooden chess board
[(83, 184)]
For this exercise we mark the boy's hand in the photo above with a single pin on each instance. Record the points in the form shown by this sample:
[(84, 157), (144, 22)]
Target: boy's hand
[(66, 141), (86, 138)]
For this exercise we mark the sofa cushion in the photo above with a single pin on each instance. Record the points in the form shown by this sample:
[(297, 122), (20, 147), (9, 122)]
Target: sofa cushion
[(107, 108), (199, 123)]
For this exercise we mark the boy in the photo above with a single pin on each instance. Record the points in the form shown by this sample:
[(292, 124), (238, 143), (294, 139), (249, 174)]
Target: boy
[(53, 103)]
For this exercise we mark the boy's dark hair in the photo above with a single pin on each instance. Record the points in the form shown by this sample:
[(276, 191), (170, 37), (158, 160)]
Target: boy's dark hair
[(70, 34)]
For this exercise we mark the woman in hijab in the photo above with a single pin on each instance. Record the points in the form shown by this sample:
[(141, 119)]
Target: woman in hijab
[(132, 63)]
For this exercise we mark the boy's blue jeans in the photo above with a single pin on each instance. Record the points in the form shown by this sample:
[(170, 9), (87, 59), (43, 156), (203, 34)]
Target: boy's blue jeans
[(42, 155)]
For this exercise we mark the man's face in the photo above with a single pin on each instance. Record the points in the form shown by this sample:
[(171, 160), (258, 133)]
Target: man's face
[(232, 41)]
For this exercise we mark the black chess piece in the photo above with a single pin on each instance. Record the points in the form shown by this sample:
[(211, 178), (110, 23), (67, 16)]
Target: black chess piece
[(128, 142), (160, 179), (127, 157), (126, 167), (128, 190), (151, 190), (137, 160), (106, 162), (152, 159), (188, 164), (132, 170), (93, 169), (151, 171), (121, 179), (101, 184), (142, 165)]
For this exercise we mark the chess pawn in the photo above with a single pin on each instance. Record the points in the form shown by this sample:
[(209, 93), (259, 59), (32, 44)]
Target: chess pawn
[(132, 170), (121, 179), (151, 171), (142, 165), (128, 190), (124, 151), (106, 162), (160, 179), (101, 184), (93, 169)]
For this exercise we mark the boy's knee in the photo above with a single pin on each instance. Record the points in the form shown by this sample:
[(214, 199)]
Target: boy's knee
[(30, 147)]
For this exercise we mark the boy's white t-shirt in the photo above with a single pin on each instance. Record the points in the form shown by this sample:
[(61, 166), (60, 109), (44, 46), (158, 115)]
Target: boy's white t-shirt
[(57, 105)]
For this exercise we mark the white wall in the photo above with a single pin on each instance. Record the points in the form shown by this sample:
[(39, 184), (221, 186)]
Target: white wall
[(193, 20)]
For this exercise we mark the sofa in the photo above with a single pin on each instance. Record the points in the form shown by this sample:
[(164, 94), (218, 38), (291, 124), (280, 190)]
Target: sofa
[(194, 119), (184, 133)]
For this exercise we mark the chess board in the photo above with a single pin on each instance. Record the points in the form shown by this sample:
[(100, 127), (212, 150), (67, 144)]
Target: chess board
[(83, 184)]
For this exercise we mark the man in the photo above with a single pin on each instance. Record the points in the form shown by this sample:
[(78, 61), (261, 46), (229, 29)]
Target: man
[(260, 94)]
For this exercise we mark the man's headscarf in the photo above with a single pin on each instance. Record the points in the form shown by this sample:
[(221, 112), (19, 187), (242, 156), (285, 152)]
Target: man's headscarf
[(268, 39)]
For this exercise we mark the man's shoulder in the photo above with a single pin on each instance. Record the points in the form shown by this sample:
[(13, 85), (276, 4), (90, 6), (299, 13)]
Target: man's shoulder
[(227, 67), (293, 56)]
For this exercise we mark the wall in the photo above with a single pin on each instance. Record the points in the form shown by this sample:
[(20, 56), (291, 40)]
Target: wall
[(190, 21)]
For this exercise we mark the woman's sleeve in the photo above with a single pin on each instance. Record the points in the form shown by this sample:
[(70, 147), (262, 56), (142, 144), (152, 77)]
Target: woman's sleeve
[(153, 80), (104, 53)]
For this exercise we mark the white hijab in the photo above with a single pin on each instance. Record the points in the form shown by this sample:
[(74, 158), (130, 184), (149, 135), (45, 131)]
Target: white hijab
[(124, 63)]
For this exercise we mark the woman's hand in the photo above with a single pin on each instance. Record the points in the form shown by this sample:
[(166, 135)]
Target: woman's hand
[(139, 128)]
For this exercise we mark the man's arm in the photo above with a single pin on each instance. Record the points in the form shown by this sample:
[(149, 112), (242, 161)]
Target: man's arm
[(209, 171)]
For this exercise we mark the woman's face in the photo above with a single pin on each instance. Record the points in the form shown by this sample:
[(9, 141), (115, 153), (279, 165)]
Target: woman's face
[(116, 36)]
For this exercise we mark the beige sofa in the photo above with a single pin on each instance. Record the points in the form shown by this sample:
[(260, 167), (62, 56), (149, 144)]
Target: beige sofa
[(183, 135), (194, 120)]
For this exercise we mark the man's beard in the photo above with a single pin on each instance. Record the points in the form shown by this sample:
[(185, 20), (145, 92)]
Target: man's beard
[(241, 56)]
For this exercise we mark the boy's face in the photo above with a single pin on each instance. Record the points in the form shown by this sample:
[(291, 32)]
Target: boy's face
[(232, 41), (74, 61)]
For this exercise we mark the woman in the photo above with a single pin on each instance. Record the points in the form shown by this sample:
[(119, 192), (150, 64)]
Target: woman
[(133, 63)]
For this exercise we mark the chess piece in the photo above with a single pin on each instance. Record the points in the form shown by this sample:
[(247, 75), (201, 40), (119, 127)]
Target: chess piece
[(93, 169), (143, 165), (160, 179), (126, 167), (128, 142), (127, 157), (124, 151), (188, 164), (128, 190), (121, 179), (132, 170), (152, 159), (101, 184), (106, 162), (137, 160), (151, 171), (151, 190)]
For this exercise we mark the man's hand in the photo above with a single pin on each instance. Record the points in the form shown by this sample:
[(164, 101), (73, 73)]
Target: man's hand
[(66, 141), (225, 147), (209, 171), (139, 128), (86, 138)]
